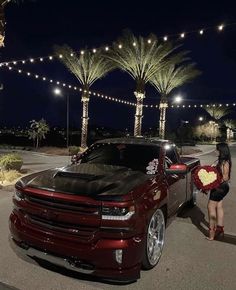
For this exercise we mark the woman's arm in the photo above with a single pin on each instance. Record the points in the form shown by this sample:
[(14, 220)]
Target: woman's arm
[(225, 171)]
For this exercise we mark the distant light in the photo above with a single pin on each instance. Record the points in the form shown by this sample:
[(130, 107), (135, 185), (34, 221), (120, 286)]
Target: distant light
[(82, 52), (201, 31), (182, 35), (50, 57), (36, 76), (165, 38), (19, 71), (31, 60), (14, 62), (94, 50), (120, 45), (60, 55), (149, 41), (221, 27), (106, 48), (23, 61), (57, 91), (41, 59), (44, 78), (200, 119), (134, 43), (71, 54)]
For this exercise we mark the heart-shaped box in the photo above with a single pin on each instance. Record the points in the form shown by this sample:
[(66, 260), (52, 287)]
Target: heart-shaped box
[(206, 177)]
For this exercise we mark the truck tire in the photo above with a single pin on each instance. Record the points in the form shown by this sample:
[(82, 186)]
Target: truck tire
[(154, 241)]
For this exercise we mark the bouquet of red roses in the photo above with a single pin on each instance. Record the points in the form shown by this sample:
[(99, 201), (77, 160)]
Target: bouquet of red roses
[(206, 177)]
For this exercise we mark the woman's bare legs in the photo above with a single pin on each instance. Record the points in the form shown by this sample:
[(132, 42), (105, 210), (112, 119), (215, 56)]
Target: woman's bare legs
[(220, 213), (212, 214)]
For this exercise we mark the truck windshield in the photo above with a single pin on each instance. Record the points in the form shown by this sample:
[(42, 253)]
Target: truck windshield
[(134, 156)]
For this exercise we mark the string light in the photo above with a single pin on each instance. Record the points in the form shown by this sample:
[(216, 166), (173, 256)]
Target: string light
[(115, 99), (75, 88), (165, 38)]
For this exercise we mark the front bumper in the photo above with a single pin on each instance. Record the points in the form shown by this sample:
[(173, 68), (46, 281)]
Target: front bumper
[(96, 259)]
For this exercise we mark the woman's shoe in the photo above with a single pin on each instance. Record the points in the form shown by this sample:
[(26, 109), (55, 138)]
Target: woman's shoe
[(212, 232), (219, 232)]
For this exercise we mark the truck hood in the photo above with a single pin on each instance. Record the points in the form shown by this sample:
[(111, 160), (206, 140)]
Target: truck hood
[(87, 179)]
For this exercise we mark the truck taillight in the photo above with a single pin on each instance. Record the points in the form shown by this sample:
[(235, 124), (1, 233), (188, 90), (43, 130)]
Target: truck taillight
[(117, 213)]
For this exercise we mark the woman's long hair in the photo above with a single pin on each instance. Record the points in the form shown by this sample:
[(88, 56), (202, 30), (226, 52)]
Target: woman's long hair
[(224, 155)]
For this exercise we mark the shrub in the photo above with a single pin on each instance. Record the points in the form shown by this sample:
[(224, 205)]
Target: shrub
[(11, 162), (73, 150)]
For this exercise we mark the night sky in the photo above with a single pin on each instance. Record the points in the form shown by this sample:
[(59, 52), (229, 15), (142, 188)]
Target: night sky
[(34, 27)]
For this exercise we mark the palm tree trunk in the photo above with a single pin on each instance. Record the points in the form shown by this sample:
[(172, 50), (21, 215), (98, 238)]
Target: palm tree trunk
[(37, 143), (2, 25), (139, 113), (162, 107), (85, 118), (228, 134)]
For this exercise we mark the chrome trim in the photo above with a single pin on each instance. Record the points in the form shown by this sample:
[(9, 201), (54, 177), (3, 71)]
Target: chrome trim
[(66, 263)]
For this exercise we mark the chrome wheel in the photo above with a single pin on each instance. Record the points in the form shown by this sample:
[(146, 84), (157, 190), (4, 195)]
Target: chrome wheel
[(155, 237)]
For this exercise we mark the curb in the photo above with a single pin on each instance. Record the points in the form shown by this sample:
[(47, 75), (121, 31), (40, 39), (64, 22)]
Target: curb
[(202, 153)]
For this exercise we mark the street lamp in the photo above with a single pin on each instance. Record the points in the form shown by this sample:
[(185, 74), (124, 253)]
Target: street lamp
[(58, 92), (182, 122), (178, 99), (200, 119)]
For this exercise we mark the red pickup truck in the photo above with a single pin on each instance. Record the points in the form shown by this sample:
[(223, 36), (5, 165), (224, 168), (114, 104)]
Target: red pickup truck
[(105, 215)]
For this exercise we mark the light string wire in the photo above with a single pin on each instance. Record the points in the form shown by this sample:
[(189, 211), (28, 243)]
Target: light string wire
[(182, 35), (69, 86), (109, 98)]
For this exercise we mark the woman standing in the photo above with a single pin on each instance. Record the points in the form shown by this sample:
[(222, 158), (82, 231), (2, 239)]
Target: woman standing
[(215, 203)]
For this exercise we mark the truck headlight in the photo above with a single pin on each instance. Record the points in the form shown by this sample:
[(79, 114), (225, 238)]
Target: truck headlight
[(117, 213)]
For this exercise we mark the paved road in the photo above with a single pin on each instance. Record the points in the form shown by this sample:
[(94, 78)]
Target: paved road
[(188, 262)]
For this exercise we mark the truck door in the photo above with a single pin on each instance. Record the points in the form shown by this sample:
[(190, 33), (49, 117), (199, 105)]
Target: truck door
[(176, 183)]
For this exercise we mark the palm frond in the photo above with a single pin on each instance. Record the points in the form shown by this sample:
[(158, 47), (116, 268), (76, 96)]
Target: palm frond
[(173, 76), (229, 123), (217, 112), (87, 67), (138, 57)]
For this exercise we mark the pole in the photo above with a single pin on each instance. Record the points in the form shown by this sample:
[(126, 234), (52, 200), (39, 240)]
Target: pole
[(67, 120)]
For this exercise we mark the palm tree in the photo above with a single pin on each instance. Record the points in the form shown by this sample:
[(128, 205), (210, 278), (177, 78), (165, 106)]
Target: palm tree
[(216, 112), (230, 125), (3, 4), (87, 68), (169, 78), (38, 130), (141, 58)]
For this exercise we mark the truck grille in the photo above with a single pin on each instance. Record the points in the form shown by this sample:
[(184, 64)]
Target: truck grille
[(71, 218), (85, 233), (64, 205)]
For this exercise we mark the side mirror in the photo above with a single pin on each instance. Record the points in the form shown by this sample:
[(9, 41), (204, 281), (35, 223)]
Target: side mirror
[(177, 169)]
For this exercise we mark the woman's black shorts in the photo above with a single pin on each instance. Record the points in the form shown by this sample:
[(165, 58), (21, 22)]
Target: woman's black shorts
[(217, 194)]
